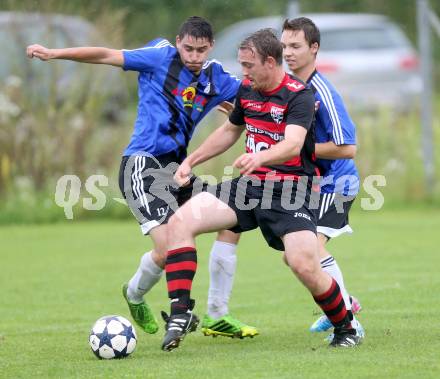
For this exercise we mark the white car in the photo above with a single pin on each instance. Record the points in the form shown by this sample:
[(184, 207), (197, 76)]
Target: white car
[(367, 57)]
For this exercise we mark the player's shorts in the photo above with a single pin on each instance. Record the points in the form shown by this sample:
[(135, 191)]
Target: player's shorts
[(333, 214), (147, 184), (275, 212)]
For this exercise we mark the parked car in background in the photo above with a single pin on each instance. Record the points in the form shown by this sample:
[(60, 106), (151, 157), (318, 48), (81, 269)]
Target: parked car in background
[(61, 80), (367, 57)]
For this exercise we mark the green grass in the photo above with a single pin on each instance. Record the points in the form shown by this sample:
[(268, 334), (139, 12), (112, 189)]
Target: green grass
[(56, 280)]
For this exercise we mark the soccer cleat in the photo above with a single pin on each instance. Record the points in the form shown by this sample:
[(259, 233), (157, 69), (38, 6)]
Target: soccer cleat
[(323, 324), (176, 327), (359, 329), (356, 325), (141, 314), (345, 338), (227, 326)]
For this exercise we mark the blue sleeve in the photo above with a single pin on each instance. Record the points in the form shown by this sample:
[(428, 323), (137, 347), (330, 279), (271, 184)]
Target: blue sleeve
[(333, 116), (237, 115), (146, 58), (230, 87), (229, 84)]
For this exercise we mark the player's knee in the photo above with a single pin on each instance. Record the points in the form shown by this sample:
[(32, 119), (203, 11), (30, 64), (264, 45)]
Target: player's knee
[(301, 265)]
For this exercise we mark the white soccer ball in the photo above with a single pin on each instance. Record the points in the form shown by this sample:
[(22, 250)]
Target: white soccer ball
[(112, 337)]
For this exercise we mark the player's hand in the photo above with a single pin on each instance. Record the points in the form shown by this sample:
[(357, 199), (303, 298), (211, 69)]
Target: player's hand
[(183, 174), (226, 107), (247, 163), (38, 51)]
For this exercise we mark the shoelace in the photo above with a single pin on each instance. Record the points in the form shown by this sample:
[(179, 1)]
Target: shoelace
[(177, 324)]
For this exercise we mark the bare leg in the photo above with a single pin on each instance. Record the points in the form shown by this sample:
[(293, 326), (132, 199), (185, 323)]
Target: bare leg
[(302, 257)]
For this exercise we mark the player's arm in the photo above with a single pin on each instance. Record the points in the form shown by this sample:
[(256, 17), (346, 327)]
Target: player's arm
[(217, 143), (97, 55), (226, 107), (329, 150), (333, 117), (281, 152)]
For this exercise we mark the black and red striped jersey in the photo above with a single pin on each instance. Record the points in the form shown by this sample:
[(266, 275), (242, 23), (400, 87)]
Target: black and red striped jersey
[(266, 114)]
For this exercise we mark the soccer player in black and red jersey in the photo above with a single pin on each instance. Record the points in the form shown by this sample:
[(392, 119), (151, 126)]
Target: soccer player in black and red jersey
[(272, 193)]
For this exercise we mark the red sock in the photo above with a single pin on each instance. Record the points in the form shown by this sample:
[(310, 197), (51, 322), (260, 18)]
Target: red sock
[(180, 267), (332, 303)]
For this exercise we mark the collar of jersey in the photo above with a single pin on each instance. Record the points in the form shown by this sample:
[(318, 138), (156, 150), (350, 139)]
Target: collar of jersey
[(309, 80), (202, 81), (275, 90)]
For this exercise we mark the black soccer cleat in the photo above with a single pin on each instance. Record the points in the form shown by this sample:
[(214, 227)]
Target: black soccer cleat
[(176, 327), (343, 337)]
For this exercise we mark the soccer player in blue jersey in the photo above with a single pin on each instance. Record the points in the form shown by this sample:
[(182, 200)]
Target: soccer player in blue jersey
[(178, 86), (335, 147)]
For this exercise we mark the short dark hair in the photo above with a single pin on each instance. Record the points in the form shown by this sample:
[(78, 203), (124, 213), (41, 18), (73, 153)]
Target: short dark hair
[(311, 31), (265, 43), (196, 27)]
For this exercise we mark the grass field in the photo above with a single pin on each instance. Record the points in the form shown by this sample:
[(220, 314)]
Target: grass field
[(56, 280)]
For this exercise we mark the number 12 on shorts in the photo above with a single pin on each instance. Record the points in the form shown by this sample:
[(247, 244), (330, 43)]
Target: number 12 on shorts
[(161, 211)]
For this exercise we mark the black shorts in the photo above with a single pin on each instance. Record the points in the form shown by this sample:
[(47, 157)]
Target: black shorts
[(333, 214), (274, 211), (147, 184)]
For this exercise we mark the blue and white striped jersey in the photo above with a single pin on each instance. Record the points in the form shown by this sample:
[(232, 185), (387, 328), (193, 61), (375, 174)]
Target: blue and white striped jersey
[(172, 100), (334, 124)]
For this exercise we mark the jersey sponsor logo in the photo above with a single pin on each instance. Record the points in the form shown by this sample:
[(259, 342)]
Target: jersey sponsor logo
[(277, 114), (255, 147), (188, 95), (276, 137), (296, 86), (252, 105), (190, 98), (207, 88), (303, 215), (277, 110)]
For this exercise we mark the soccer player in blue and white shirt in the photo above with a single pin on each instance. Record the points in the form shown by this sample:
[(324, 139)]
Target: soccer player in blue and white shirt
[(335, 149), (177, 87)]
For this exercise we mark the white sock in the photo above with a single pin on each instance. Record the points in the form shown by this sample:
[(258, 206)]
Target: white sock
[(222, 264), (331, 267), (146, 276)]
